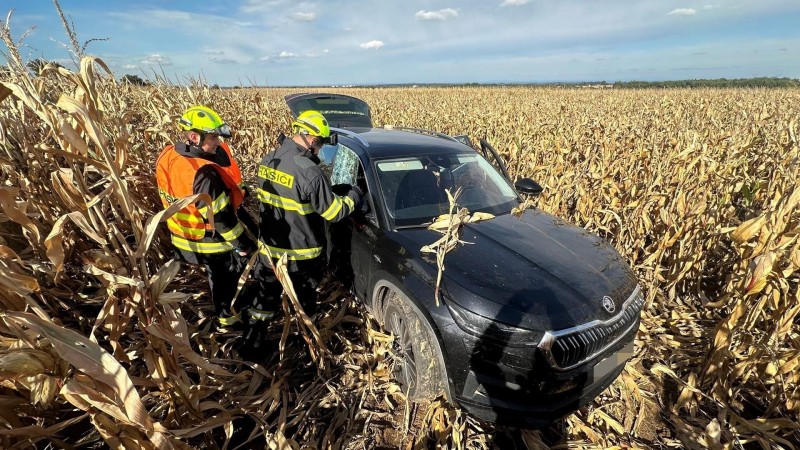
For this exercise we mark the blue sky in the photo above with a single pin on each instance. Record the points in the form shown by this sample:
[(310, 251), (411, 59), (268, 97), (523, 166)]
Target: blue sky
[(349, 42)]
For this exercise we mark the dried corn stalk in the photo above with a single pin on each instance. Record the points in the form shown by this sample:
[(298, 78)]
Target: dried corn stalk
[(450, 226)]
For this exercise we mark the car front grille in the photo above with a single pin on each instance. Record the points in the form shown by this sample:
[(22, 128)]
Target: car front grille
[(566, 349)]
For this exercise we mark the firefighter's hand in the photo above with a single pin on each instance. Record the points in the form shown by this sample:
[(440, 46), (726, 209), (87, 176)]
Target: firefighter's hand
[(238, 262), (245, 250), (341, 189), (358, 192), (359, 203)]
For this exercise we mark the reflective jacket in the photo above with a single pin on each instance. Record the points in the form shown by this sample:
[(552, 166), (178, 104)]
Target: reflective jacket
[(296, 198), (183, 170)]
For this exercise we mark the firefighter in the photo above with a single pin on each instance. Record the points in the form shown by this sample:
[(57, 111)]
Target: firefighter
[(203, 163), (295, 201)]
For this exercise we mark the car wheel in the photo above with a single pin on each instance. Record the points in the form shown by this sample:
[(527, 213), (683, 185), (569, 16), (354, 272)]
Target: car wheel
[(417, 367)]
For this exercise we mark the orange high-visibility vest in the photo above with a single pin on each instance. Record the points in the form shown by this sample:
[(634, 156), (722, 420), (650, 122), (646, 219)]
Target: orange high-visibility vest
[(175, 177)]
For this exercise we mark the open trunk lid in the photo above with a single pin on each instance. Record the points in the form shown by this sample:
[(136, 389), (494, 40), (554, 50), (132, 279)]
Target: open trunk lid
[(341, 111)]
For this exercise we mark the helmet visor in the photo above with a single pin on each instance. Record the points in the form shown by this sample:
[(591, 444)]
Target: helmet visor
[(223, 130), (330, 140)]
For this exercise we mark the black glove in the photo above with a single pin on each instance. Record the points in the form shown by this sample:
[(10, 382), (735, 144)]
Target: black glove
[(359, 203), (341, 189), (358, 191)]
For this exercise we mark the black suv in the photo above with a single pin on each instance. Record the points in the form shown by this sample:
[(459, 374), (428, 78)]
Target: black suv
[(537, 316)]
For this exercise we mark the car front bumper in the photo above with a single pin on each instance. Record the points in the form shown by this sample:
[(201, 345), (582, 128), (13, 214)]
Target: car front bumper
[(516, 386)]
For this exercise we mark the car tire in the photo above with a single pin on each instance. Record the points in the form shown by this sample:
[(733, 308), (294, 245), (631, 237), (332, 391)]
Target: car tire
[(417, 367)]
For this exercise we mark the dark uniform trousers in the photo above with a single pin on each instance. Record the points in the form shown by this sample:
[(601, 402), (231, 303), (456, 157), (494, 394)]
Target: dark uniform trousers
[(223, 271), (223, 279), (305, 280)]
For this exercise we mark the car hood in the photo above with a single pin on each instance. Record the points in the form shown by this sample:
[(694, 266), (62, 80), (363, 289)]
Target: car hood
[(534, 271)]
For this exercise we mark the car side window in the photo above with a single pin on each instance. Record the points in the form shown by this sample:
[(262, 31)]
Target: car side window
[(345, 166), (326, 157), (347, 169)]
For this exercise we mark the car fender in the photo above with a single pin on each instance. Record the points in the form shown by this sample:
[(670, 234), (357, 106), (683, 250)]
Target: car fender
[(385, 282)]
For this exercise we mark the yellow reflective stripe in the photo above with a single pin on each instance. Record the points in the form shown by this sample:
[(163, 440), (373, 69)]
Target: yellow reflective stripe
[(260, 314), (221, 202), (284, 203), (295, 254), (334, 209), (228, 321), (217, 205), (175, 228), (350, 203), (187, 217), (201, 247), (233, 233)]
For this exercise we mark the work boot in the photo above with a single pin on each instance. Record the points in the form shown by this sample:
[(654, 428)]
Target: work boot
[(254, 345)]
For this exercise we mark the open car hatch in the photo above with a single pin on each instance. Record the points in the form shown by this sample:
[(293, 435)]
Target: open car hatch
[(341, 111)]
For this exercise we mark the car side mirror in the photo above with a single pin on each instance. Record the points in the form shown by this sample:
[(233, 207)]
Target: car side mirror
[(528, 186)]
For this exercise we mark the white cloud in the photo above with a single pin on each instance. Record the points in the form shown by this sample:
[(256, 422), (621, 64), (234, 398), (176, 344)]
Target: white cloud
[(290, 55), (707, 7), (213, 51), (514, 2), (682, 12), (316, 54), (372, 45), (129, 66), (304, 16), (442, 14), (260, 6), (157, 59)]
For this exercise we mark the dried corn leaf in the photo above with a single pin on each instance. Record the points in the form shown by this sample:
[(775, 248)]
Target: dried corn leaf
[(25, 362), (17, 282), (152, 223), (179, 346), (93, 360), (758, 271), (18, 212)]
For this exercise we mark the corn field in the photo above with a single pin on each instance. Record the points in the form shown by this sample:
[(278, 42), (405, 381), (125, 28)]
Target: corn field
[(106, 341)]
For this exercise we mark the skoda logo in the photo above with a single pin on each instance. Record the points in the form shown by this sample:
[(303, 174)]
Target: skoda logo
[(608, 304)]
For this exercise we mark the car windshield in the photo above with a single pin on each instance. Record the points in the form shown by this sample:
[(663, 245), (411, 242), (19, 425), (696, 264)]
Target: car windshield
[(414, 188)]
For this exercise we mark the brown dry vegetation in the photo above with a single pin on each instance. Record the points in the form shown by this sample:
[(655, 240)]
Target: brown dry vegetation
[(104, 340)]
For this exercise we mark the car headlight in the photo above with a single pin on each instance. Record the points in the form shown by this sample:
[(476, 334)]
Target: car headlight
[(485, 327)]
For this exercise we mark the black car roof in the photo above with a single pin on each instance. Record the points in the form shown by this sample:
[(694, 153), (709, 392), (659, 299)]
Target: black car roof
[(397, 143)]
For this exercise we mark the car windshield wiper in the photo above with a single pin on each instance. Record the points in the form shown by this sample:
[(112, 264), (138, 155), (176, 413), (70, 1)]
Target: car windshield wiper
[(405, 227)]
